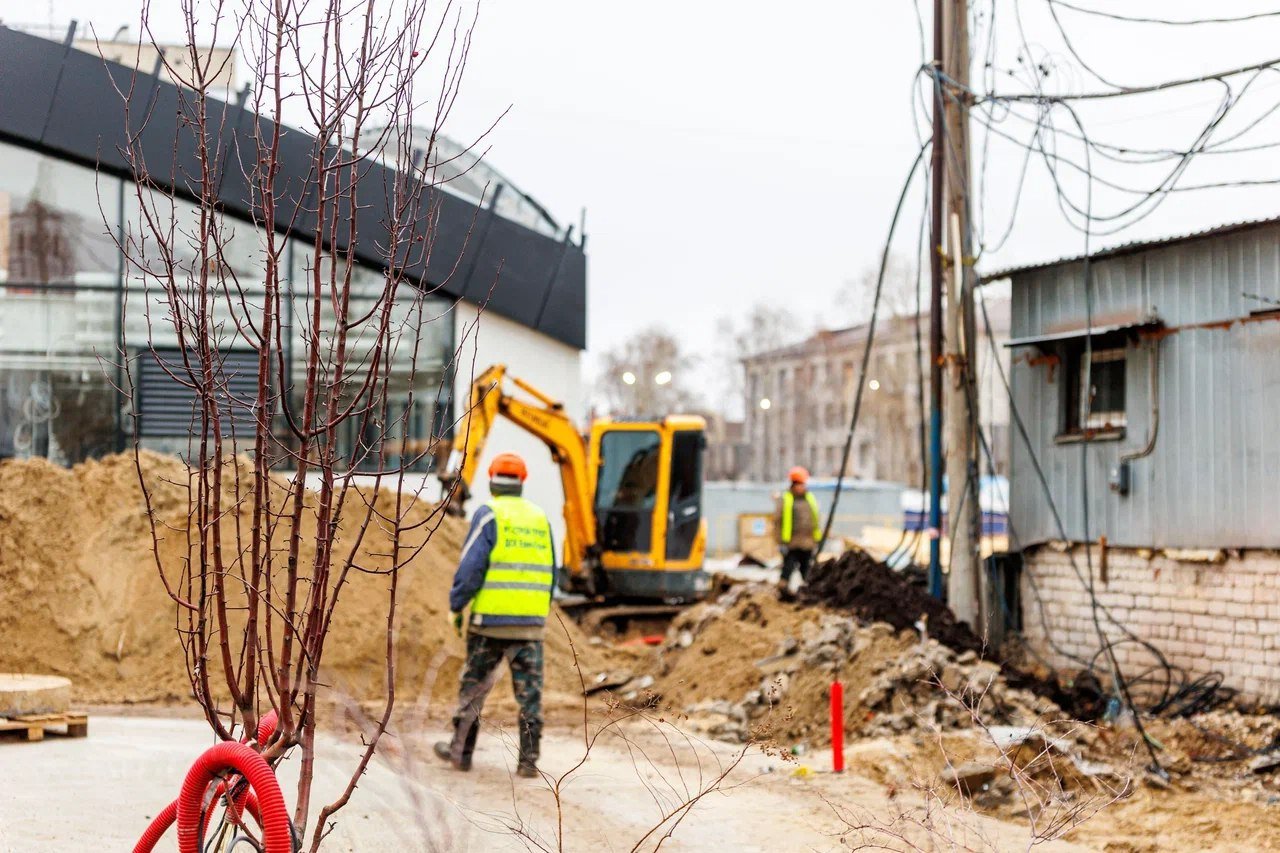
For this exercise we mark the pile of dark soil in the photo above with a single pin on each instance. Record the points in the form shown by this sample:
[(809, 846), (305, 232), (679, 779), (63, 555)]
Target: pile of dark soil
[(867, 588), (862, 585)]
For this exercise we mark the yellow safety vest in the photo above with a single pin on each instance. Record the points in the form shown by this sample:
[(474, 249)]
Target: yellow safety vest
[(789, 511), (517, 586)]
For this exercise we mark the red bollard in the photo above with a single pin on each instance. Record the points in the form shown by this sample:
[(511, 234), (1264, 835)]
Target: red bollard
[(837, 727)]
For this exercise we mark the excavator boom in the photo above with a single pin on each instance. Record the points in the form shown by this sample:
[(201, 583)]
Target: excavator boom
[(546, 419)]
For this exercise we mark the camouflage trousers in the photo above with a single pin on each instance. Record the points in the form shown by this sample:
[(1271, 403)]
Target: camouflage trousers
[(484, 657)]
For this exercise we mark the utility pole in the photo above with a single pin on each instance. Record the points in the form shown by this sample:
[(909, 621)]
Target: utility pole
[(964, 515), (937, 166)]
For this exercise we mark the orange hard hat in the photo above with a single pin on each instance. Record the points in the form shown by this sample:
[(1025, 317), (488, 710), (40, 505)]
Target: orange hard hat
[(798, 475), (508, 465)]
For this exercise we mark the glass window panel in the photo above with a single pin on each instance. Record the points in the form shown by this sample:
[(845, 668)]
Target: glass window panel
[(57, 222), (59, 272), (628, 476), (686, 466), (417, 407)]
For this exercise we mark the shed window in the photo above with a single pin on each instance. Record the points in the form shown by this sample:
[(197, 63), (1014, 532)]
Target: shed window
[(1094, 392)]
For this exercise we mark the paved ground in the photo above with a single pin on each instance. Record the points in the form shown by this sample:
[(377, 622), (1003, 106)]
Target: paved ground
[(98, 794)]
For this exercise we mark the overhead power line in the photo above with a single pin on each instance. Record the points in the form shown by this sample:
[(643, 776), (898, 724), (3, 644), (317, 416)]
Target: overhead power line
[(871, 335), (1169, 22), (1042, 97)]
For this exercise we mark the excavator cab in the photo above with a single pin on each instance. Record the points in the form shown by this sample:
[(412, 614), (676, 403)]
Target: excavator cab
[(647, 487)]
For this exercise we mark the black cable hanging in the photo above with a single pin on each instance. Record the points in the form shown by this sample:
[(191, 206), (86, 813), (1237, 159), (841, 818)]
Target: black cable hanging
[(871, 335)]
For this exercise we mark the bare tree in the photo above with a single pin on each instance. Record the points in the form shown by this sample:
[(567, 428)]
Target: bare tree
[(897, 298), (648, 374), (763, 327), (276, 523)]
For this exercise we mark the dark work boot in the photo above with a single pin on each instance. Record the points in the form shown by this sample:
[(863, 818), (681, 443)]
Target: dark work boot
[(530, 743), (443, 749), (458, 750)]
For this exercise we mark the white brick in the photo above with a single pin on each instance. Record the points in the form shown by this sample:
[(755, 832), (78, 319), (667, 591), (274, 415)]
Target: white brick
[(1201, 617)]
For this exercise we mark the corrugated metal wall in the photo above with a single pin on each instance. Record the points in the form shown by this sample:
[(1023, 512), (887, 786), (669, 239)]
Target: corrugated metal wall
[(1213, 480)]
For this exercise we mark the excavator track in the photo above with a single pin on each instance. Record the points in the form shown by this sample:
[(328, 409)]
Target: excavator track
[(618, 621)]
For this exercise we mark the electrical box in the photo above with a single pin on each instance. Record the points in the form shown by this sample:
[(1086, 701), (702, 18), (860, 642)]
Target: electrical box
[(1119, 479)]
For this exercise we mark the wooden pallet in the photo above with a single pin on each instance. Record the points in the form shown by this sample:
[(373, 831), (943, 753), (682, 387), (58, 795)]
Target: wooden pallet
[(37, 725)]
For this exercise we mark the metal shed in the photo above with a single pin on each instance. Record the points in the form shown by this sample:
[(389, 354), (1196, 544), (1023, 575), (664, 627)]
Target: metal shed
[(1195, 321)]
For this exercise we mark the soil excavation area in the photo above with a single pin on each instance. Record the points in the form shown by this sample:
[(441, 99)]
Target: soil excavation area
[(718, 739)]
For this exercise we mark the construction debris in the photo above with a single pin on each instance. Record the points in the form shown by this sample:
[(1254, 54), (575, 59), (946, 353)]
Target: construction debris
[(748, 663), (969, 778)]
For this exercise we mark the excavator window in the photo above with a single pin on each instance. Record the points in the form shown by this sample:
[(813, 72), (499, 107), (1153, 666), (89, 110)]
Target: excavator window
[(627, 489), (628, 477), (685, 498)]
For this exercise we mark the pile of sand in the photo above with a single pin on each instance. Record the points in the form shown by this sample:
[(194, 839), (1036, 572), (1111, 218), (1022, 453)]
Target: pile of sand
[(81, 595)]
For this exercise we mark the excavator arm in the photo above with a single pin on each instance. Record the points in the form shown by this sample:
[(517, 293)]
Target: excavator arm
[(545, 418)]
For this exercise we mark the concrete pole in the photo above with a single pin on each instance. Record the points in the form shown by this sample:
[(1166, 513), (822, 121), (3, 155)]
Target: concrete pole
[(964, 515)]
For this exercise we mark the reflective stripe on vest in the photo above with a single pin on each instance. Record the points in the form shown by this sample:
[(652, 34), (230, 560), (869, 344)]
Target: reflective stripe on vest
[(521, 564), (789, 512)]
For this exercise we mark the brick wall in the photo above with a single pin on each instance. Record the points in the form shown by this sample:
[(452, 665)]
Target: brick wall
[(1203, 617)]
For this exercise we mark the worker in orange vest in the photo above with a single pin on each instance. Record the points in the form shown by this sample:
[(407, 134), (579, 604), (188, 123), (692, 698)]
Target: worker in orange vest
[(798, 530)]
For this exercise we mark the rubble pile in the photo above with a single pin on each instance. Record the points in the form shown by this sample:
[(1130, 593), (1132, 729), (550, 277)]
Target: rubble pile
[(866, 587), (748, 666)]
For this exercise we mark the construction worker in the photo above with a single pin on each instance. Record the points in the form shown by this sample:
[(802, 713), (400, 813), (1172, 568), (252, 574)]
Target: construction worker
[(505, 575), (797, 525)]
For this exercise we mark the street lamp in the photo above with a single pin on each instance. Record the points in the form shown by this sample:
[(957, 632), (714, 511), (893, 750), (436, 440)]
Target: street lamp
[(663, 378), (629, 378), (765, 405)]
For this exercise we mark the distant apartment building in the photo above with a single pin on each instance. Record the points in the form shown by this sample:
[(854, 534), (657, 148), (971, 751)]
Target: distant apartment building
[(799, 400), (727, 452)]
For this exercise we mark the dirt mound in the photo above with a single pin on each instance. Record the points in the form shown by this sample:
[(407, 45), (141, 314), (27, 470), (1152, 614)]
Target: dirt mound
[(866, 587), (749, 666), (80, 593)]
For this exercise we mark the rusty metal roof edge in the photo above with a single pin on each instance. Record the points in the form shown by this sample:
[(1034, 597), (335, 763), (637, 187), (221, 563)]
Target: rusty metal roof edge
[(1130, 248)]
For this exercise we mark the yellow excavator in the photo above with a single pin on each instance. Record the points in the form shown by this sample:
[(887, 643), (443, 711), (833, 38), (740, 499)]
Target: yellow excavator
[(634, 534)]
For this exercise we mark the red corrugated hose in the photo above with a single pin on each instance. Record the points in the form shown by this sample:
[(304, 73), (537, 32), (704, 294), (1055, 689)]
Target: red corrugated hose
[(277, 834), (246, 800)]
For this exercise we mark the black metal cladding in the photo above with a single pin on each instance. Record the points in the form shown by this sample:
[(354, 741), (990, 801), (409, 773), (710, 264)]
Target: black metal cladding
[(168, 407), (79, 115)]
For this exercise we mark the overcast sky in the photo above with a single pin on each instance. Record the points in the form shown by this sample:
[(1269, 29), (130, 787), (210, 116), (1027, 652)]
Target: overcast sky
[(729, 151)]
